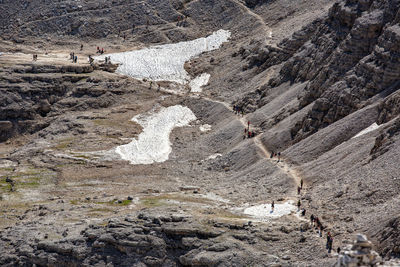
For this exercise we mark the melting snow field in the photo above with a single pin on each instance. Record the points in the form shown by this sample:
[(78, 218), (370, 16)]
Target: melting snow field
[(263, 212), (198, 82), (153, 143), (166, 62), (371, 128)]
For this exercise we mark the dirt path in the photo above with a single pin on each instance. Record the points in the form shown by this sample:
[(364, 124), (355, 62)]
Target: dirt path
[(281, 164), (251, 13)]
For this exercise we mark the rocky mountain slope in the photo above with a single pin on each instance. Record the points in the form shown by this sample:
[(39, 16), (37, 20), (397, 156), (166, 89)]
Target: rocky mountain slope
[(318, 81), (338, 76)]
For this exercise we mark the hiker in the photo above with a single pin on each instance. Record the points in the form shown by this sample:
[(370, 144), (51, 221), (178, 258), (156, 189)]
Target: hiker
[(298, 190), (151, 84), (320, 229), (76, 59), (328, 238), (316, 222), (272, 205), (248, 125), (272, 155), (11, 182), (330, 245), (98, 50), (301, 184), (253, 134), (124, 37), (248, 134), (303, 212), (147, 24), (81, 47), (298, 205), (106, 60), (338, 250), (279, 156), (91, 60)]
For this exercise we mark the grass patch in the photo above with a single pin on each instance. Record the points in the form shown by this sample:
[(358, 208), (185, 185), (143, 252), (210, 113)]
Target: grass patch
[(74, 202), (151, 202), (229, 215), (156, 201), (101, 210), (116, 202), (82, 156), (6, 169), (5, 187)]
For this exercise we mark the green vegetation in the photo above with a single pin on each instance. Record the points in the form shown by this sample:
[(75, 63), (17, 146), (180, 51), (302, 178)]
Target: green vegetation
[(74, 202), (151, 202), (101, 210), (116, 202)]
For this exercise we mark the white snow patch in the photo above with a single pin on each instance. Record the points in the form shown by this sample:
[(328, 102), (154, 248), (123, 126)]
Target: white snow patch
[(214, 156), (165, 62), (205, 128), (198, 82), (153, 143), (263, 212), (371, 128)]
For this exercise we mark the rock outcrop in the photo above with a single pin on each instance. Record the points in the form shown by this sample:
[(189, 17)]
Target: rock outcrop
[(349, 59), (361, 253), (143, 240), (389, 239), (33, 95)]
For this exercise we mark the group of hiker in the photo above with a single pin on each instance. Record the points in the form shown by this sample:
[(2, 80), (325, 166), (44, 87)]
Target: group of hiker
[(108, 60), (248, 134), (158, 86), (73, 57), (273, 154), (181, 21), (300, 187), (316, 223), (100, 51), (238, 110)]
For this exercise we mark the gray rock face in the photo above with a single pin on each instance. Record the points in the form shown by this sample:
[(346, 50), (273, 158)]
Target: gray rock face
[(30, 99), (128, 241), (349, 59)]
